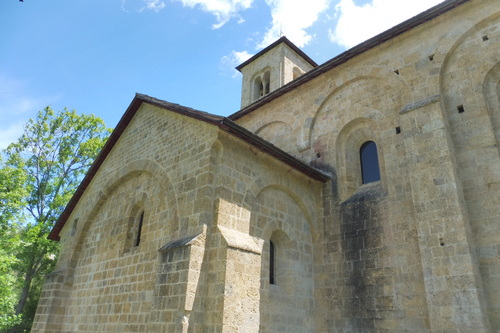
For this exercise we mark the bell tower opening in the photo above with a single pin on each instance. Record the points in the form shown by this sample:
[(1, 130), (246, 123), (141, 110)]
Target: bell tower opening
[(270, 69)]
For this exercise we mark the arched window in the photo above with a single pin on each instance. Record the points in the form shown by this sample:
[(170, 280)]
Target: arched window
[(261, 85), (267, 82), (137, 240), (368, 156), (272, 263), (258, 88)]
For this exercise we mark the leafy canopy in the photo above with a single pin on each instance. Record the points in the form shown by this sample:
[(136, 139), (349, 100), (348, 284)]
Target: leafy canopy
[(41, 172)]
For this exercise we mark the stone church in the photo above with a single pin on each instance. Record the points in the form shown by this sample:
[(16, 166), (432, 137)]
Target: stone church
[(359, 195)]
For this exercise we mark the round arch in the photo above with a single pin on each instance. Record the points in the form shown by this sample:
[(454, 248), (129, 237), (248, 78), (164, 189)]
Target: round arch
[(371, 76), (133, 169), (347, 147)]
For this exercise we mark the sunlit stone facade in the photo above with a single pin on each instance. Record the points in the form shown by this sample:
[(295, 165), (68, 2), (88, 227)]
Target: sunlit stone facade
[(171, 230)]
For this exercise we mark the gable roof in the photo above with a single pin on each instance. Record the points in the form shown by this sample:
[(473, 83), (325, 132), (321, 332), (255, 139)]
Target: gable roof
[(381, 38), (287, 42), (223, 123)]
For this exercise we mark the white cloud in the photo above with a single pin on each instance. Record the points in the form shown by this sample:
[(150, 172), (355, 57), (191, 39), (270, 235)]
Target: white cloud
[(292, 18), (142, 5), (234, 59), (222, 9), (155, 5), (358, 23)]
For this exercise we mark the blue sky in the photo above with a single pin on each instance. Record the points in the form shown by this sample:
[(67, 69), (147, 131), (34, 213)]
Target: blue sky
[(94, 55)]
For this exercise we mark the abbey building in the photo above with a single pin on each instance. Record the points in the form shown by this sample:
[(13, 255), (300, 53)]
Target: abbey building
[(359, 195)]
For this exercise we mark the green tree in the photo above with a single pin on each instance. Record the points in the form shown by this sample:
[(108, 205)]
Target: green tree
[(12, 194), (55, 152)]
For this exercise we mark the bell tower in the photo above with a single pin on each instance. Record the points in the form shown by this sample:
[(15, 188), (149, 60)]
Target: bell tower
[(270, 69)]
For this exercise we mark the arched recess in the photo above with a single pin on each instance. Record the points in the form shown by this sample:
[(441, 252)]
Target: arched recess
[(275, 132), (134, 169), (464, 74), (491, 93), (104, 266), (347, 148), (288, 303), (364, 89), (304, 203), (469, 83), (297, 72)]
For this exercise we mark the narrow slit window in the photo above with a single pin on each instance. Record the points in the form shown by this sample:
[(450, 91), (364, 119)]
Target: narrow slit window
[(370, 170), (74, 228), (272, 263), (139, 229)]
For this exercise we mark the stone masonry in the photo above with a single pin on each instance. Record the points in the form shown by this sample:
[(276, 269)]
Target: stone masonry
[(264, 222)]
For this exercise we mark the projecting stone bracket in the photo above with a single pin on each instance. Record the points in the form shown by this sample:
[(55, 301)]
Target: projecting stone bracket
[(189, 240), (239, 240), (179, 273), (418, 104)]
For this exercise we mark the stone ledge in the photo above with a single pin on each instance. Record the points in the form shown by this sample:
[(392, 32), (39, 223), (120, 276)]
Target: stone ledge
[(239, 240), (418, 104), (189, 240)]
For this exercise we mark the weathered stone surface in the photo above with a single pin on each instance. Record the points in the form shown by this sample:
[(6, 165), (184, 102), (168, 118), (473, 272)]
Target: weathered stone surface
[(416, 251)]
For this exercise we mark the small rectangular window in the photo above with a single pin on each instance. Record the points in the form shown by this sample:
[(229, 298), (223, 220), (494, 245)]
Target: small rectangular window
[(139, 230), (272, 258)]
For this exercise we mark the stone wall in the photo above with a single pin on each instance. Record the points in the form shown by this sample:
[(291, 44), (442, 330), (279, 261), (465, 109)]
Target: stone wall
[(259, 200), (199, 197), (174, 232), (422, 253), (114, 282)]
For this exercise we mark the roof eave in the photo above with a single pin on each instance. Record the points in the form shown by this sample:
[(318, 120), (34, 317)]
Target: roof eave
[(371, 43), (108, 146), (221, 122), (237, 130), (272, 46)]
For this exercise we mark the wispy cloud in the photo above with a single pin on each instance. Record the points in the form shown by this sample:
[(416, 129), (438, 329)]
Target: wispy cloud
[(351, 23), (16, 107), (292, 19), (155, 5), (234, 59), (223, 10), (356, 24)]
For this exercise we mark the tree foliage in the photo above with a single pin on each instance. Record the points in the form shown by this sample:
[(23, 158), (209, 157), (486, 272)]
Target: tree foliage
[(12, 193), (48, 161)]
